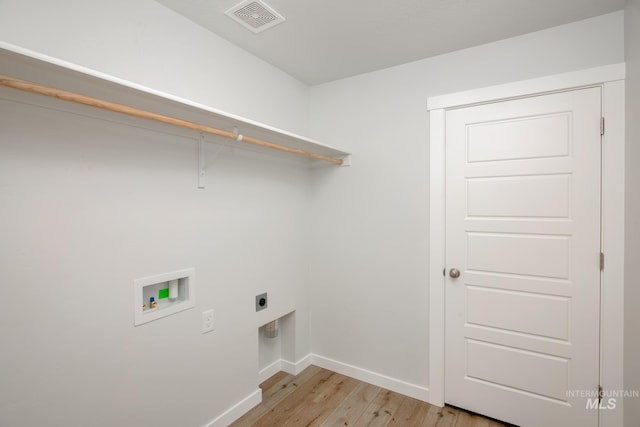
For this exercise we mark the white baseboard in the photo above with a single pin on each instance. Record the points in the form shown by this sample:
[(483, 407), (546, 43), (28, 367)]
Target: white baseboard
[(237, 410), (402, 387), (270, 371), (299, 366), (286, 366)]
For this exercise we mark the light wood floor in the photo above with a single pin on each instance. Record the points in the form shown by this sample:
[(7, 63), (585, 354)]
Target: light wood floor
[(318, 397)]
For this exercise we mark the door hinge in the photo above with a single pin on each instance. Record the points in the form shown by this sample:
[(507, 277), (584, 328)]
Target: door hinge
[(600, 394), (601, 261), (601, 125)]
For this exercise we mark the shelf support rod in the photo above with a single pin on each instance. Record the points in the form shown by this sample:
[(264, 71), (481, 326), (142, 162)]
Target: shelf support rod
[(77, 98), (202, 165)]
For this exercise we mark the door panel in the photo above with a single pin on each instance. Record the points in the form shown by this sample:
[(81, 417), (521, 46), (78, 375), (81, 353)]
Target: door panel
[(524, 254), (523, 228), (518, 311), (542, 196), (530, 137), (500, 365)]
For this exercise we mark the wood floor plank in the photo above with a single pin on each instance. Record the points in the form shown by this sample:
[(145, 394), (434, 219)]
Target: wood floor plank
[(347, 413), (381, 410), (421, 414), (284, 410), (315, 412), (470, 419), (464, 419), (275, 390), (320, 398), (408, 414), (274, 379), (440, 417), (281, 389)]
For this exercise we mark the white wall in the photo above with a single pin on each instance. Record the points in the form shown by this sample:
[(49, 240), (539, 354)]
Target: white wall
[(632, 212), (90, 205), (149, 44), (370, 242), (91, 201)]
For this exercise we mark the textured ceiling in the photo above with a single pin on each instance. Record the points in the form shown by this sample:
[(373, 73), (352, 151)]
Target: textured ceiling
[(325, 40)]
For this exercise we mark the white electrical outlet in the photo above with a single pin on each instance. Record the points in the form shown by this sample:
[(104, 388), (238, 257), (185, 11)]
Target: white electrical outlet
[(208, 322)]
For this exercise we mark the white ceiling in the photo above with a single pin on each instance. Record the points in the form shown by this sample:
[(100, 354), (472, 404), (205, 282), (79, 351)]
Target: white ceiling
[(325, 40)]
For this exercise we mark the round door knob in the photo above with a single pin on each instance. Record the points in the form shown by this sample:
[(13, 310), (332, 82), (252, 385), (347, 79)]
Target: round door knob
[(454, 273)]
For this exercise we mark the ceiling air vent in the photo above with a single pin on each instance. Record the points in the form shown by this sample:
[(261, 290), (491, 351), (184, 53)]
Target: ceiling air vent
[(255, 15)]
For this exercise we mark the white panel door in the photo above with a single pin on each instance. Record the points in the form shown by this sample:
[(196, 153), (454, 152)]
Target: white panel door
[(523, 230)]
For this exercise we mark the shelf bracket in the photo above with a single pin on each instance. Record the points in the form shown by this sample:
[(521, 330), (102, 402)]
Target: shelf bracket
[(346, 160), (202, 166), (239, 136)]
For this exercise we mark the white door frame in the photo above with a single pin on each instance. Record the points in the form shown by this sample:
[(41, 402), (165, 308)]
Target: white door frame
[(611, 79)]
